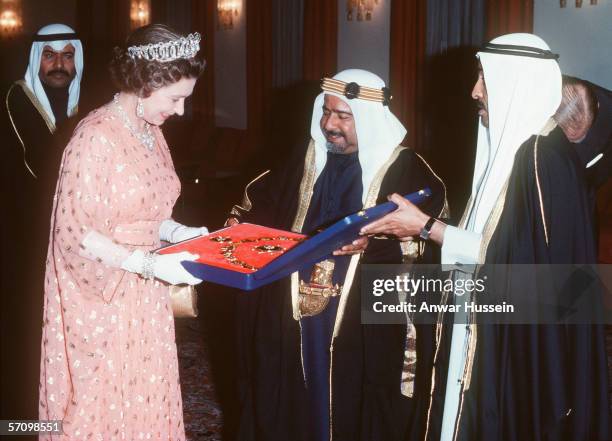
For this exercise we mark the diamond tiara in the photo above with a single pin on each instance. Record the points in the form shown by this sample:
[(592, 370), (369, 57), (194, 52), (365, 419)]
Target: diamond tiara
[(184, 47)]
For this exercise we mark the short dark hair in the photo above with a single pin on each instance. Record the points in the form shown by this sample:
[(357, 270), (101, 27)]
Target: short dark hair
[(142, 77)]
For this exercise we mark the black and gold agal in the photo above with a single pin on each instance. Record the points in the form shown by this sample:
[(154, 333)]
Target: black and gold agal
[(353, 90), (314, 295)]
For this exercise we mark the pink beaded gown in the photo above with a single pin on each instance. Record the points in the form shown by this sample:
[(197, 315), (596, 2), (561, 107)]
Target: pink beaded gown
[(109, 366)]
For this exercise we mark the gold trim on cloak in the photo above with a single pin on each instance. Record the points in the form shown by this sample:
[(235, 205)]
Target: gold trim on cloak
[(306, 189), (37, 106), (412, 249), (540, 199)]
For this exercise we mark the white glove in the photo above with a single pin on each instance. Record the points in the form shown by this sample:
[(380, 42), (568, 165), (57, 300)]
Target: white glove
[(173, 232), (165, 267)]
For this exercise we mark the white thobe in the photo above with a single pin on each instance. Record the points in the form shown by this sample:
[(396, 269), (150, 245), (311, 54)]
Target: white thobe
[(460, 246)]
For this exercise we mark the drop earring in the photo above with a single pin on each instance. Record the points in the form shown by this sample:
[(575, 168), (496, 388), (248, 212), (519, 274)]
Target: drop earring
[(139, 108)]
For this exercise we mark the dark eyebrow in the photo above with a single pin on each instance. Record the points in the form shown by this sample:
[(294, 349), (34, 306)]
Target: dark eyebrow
[(342, 112)]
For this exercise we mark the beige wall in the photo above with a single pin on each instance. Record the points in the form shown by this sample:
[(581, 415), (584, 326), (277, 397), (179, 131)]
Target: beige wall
[(582, 36), (230, 74), (365, 44)]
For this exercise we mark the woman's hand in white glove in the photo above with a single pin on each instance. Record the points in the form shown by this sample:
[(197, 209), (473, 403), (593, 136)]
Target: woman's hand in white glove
[(173, 232), (165, 267)]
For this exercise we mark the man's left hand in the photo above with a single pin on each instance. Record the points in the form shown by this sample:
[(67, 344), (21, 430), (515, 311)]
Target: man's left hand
[(358, 246)]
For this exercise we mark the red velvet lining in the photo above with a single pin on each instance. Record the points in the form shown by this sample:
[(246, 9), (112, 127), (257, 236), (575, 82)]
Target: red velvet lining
[(210, 252)]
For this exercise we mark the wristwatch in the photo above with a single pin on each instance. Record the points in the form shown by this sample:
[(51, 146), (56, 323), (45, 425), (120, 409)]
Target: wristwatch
[(426, 230)]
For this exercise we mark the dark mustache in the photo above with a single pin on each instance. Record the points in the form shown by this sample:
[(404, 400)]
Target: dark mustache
[(58, 71), (333, 133)]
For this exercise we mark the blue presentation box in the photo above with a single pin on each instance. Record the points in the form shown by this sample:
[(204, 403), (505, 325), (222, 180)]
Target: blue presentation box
[(312, 250)]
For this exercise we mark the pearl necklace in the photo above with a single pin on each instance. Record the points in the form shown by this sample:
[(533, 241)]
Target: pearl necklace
[(146, 138)]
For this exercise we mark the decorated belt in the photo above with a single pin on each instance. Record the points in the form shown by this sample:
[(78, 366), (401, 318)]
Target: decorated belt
[(311, 289)]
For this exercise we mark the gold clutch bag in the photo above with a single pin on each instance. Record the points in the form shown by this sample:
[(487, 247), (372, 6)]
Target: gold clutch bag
[(184, 300)]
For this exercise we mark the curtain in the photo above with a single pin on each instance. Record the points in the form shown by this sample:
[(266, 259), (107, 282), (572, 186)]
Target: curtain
[(455, 30), (118, 19), (507, 16), (203, 21), (259, 66), (287, 42), (320, 38), (407, 66), (454, 24)]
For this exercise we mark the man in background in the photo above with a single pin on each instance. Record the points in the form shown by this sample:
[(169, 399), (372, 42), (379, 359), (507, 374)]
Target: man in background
[(585, 116), (48, 95)]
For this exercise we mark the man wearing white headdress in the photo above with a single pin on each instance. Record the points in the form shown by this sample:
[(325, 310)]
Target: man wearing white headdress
[(529, 205), (38, 106), (48, 94), (308, 369)]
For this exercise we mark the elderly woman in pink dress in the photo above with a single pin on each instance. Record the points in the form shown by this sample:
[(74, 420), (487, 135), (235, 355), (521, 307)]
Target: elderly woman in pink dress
[(109, 365)]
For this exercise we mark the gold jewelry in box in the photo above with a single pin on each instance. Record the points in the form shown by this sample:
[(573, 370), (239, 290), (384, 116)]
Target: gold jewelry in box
[(314, 296)]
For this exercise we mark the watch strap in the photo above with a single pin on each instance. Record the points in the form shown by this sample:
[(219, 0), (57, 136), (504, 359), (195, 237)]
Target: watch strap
[(426, 230)]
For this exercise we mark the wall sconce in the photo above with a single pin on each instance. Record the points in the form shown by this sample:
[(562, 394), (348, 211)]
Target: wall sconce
[(10, 17), (364, 8), (140, 13), (226, 11)]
